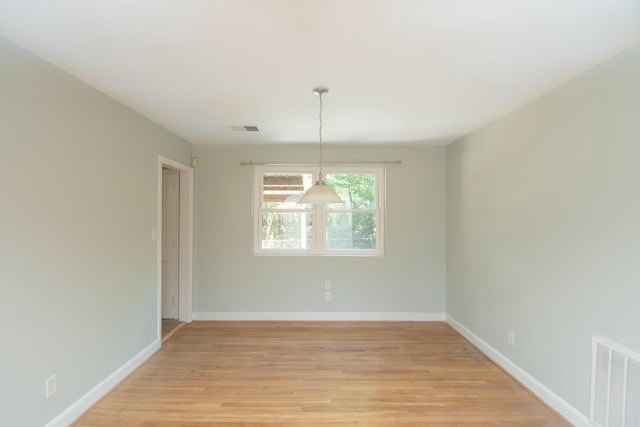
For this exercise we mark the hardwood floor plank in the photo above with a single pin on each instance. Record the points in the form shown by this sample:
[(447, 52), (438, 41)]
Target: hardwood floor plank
[(318, 373)]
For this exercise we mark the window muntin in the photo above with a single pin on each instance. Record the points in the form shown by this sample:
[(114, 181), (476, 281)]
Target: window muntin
[(283, 227)]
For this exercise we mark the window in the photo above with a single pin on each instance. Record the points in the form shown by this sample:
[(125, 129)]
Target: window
[(283, 227)]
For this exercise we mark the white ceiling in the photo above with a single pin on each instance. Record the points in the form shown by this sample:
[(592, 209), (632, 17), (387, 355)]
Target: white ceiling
[(399, 71)]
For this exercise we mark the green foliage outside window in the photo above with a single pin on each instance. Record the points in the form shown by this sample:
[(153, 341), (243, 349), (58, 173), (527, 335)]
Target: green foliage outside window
[(352, 230)]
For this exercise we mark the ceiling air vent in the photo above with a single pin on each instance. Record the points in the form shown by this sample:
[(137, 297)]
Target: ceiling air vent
[(245, 128)]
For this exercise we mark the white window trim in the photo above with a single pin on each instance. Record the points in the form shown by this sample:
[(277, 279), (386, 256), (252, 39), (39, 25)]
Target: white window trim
[(319, 211)]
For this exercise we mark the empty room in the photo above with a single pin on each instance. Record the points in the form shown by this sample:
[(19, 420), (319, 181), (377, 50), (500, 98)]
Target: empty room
[(322, 212)]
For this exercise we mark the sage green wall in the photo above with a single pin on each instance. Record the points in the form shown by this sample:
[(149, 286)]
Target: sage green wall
[(544, 226), (78, 188), (409, 278)]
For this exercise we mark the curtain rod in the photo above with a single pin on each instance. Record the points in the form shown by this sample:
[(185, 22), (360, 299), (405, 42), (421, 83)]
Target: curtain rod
[(385, 162)]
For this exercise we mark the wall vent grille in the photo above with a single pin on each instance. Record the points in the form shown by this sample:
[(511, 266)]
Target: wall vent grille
[(615, 385)]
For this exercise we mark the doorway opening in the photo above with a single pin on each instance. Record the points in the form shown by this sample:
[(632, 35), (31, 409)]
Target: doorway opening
[(175, 237), (170, 249)]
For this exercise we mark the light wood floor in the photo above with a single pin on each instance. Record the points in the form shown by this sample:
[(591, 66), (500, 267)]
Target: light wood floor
[(318, 374)]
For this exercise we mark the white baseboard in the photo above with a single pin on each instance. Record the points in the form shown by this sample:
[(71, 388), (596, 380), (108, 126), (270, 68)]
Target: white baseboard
[(70, 414), (570, 413), (324, 315)]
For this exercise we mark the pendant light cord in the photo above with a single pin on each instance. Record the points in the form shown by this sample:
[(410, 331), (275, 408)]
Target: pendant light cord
[(320, 133)]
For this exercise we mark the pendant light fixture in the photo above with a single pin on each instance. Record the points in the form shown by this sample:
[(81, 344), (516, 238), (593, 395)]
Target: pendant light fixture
[(320, 193)]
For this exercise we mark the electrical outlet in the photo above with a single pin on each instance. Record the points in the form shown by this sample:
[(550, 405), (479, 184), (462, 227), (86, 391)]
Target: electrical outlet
[(327, 285), (50, 386), (511, 338), (327, 297)]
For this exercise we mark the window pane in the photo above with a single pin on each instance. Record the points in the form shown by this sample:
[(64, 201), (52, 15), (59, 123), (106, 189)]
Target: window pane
[(347, 230), (286, 230), (358, 190), (283, 190)]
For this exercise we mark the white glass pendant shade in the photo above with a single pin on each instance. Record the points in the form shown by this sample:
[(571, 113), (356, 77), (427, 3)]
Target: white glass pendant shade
[(320, 193)]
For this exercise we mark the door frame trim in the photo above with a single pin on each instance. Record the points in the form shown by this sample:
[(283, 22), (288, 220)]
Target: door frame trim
[(185, 263)]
